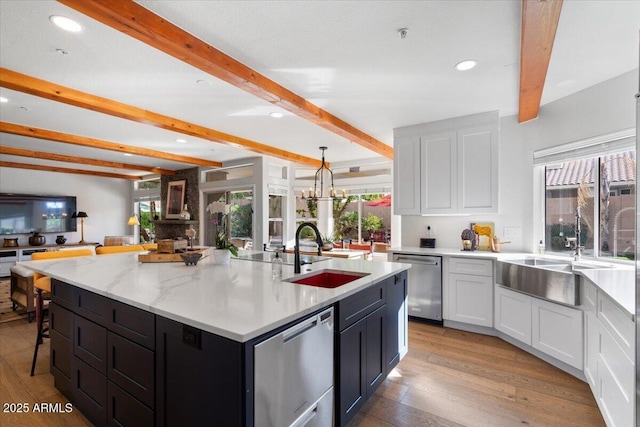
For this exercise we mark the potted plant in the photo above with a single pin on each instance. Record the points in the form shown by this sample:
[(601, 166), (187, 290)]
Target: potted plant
[(327, 243), (224, 249), (371, 223)]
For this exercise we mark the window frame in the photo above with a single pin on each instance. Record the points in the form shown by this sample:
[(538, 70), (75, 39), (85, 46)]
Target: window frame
[(595, 148)]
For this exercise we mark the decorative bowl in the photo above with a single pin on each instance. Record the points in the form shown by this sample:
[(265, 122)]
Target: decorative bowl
[(191, 258)]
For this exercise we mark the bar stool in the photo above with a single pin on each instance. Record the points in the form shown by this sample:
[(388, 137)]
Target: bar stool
[(42, 288)]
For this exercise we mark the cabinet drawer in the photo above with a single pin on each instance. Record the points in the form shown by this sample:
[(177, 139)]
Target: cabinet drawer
[(90, 392), (62, 294), (60, 362), (90, 344), (61, 320), (125, 410), (92, 306), (356, 307), (137, 325), (619, 325), (131, 367), (479, 267)]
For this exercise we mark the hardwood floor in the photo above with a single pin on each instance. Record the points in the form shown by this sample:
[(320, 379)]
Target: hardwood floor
[(457, 378), (449, 378)]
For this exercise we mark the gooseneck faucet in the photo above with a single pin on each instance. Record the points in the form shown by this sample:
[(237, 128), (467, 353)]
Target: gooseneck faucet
[(574, 242), (296, 248)]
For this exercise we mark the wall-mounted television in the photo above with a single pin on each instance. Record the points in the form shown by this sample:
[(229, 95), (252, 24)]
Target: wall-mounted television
[(27, 213)]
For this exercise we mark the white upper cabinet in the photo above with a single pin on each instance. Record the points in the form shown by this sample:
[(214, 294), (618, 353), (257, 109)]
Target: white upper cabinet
[(406, 152), (447, 167)]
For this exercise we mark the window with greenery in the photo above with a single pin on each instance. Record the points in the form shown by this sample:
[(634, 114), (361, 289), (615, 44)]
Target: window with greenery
[(603, 188)]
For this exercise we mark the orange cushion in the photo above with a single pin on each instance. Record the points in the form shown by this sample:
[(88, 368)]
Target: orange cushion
[(43, 283), (149, 246), (60, 254), (117, 249)]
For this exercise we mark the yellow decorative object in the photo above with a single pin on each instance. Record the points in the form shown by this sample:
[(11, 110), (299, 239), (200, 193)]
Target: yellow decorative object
[(118, 249)]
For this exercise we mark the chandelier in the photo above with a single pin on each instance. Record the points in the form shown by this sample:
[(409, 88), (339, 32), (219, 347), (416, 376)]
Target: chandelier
[(320, 174)]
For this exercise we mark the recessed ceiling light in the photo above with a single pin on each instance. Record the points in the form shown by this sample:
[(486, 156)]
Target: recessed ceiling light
[(3, 99), (181, 141), (465, 65), (128, 154), (276, 115), (62, 52), (65, 23)]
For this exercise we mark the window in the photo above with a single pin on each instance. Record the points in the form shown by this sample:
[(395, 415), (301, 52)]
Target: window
[(599, 192)]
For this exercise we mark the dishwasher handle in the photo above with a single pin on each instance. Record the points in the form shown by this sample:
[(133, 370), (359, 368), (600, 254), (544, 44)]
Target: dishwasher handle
[(416, 260)]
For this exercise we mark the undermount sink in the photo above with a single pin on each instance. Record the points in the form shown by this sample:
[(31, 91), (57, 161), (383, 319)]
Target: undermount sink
[(327, 278)]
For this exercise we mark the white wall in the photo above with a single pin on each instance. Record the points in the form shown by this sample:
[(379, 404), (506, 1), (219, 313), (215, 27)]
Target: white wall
[(107, 201), (601, 109)]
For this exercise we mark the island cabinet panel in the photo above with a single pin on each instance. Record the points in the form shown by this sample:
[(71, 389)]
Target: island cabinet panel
[(61, 333), (125, 410), (102, 356), (90, 392), (131, 366), (370, 333), (200, 377), (90, 344), (396, 320)]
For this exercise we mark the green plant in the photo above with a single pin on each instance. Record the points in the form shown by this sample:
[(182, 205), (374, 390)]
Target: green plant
[(371, 223), (223, 243), (345, 224)]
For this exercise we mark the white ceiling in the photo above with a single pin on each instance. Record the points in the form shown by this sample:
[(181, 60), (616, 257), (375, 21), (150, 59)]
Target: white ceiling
[(344, 56)]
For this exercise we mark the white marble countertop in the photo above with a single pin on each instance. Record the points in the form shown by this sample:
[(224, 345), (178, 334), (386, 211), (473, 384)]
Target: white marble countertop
[(618, 282), (238, 301)]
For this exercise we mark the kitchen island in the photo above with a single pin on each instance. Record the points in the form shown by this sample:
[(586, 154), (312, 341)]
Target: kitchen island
[(169, 344)]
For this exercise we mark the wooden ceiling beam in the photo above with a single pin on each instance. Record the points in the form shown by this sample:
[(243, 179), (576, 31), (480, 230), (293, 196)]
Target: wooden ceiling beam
[(22, 83), (539, 24), (49, 135), (66, 170), (140, 23), (21, 152)]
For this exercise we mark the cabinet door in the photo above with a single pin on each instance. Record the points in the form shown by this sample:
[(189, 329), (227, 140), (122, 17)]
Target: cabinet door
[(591, 349), (439, 174), (396, 320), (351, 393), (199, 377), (375, 366), (616, 374), (406, 176), (477, 160), (513, 314), (557, 331), (471, 299)]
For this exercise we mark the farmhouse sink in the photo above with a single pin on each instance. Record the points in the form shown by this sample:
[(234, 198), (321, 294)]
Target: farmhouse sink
[(327, 278), (548, 278)]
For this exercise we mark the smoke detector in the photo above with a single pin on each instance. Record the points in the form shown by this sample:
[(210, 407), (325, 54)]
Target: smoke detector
[(402, 32)]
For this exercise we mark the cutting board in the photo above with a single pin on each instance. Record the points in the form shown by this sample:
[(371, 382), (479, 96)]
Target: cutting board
[(153, 256)]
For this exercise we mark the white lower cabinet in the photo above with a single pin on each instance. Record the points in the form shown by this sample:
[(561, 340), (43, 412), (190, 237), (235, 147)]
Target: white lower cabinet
[(513, 314), (556, 330), (616, 386), (470, 291), (608, 356)]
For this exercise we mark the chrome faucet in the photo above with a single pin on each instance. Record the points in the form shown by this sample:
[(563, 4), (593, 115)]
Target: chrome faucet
[(296, 249), (574, 242)]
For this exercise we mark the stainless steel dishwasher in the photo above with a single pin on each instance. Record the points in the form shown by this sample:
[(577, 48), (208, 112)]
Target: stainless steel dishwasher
[(293, 373), (424, 285)]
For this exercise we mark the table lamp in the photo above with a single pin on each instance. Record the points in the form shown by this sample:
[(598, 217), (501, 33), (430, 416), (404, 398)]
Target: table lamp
[(82, 216)]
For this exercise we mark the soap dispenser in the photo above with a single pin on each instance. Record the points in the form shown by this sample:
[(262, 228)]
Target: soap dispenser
[(541, 247), (276, 266)]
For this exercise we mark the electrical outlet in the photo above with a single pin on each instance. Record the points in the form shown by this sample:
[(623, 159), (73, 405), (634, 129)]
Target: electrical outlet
[(512, 232)]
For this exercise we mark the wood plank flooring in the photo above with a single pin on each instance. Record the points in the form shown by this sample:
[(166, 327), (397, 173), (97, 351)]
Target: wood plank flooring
[(449, 378), (456, 378)]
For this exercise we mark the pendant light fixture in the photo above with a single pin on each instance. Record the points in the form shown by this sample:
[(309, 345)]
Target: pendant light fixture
[(314, 194)]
